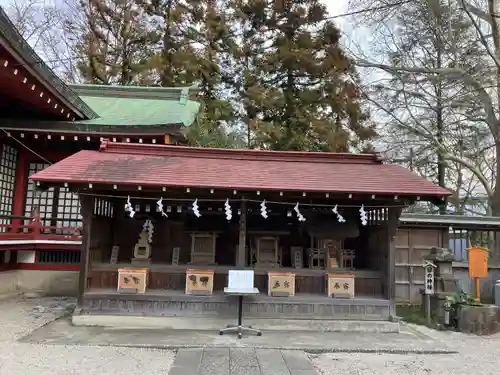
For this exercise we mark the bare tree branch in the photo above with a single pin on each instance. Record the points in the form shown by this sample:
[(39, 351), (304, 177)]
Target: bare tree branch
[(451, 73)]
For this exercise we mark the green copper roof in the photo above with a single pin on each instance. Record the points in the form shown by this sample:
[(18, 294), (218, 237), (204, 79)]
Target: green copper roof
[(136, 106)]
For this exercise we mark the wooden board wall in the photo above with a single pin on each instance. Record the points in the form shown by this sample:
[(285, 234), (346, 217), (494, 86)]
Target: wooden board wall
[(176, 281), (412, 246)]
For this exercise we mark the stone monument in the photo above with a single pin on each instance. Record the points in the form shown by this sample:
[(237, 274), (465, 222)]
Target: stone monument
[(142, 249)]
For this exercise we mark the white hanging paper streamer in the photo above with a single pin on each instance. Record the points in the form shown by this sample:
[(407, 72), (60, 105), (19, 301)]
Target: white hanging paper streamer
[(340, 218), (263, 209), (362, 215), (227, 209), (300, 217), (149, 227), (196, 209), (129, 208), (451, 208), (159, 203)]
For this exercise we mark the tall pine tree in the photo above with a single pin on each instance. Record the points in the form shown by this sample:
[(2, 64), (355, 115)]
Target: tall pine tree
[(172, 60), (210, 32), (274, 65), (112, 42), (302, 89)]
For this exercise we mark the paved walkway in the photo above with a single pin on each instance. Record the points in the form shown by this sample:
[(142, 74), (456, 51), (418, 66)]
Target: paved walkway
[(57, 348), (62, 332), (241, 361)]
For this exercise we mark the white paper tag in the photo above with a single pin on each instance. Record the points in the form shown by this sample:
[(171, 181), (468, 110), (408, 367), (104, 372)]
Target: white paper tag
[(241, 280)]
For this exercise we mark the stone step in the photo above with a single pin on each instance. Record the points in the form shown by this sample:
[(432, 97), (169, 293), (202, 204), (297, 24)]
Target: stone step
[(238, 361), (219, 306), (214, 324)]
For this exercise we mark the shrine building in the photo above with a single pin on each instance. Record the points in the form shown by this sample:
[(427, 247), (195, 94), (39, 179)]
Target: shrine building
[(163, 225), (162, 232), (44, 120)]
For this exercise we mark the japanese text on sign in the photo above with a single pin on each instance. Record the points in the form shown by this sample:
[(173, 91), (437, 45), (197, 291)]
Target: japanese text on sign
[(241, 280)]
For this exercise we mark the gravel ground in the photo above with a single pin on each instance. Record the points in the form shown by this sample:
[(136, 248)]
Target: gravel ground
[(477, 355), (19, 317)]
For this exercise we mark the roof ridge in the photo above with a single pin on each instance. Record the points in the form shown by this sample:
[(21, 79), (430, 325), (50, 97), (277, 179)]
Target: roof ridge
[(136, 92), (241, 154)]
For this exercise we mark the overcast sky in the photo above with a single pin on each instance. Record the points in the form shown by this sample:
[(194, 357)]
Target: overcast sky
[(334, 6), (337, 7)]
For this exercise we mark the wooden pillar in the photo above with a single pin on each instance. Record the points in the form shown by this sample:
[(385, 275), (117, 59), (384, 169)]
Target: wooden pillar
[(55, 209), (392, 226), (116, 220), (20, 187), (87, 208), (240, 258)]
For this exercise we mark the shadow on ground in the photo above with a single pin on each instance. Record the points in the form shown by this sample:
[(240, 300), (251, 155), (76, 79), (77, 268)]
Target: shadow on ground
[(410, 340)]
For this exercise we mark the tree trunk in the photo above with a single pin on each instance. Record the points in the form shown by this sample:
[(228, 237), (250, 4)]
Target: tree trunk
[(495, 199), (441, 163), (494, 245), (494, 8), (167, 78)]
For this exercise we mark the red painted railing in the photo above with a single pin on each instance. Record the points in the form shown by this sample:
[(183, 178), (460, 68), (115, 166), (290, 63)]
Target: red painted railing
[(31, 228)]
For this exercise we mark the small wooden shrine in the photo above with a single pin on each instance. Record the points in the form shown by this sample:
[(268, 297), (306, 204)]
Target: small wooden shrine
[(317, 229)]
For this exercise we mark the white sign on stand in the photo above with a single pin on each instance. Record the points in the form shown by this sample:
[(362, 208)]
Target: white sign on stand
[(240, 280)]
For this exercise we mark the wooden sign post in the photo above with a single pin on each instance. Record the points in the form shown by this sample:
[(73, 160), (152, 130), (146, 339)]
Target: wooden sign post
[(114, 254), (478, 268), (429, 268)]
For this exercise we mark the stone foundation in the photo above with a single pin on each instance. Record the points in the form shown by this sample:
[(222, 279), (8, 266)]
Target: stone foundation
[(8, 284), (169, 303), (38, 282), (479, 320), (214, 324)]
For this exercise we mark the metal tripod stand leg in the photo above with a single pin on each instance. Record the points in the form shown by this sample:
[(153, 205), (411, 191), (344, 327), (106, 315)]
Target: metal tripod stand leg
[(240, 328)]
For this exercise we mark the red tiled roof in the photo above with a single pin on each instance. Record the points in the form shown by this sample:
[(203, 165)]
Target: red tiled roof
[(176, 166)]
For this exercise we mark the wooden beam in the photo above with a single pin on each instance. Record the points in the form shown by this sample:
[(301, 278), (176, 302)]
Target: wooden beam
[(220, 195), (118, 215), (21, 184), (240, 259), (87, 207), (392, 224)]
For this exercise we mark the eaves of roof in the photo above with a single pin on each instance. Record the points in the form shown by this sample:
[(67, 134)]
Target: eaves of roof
[(449, 220), (13, 41)]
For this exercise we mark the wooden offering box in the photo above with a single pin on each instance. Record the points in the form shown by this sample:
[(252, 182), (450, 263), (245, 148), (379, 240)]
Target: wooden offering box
[(199, 282), (340, 285), (132, 280), (281, 284)]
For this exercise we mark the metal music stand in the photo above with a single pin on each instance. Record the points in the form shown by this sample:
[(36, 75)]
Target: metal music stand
[(240, 328)]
